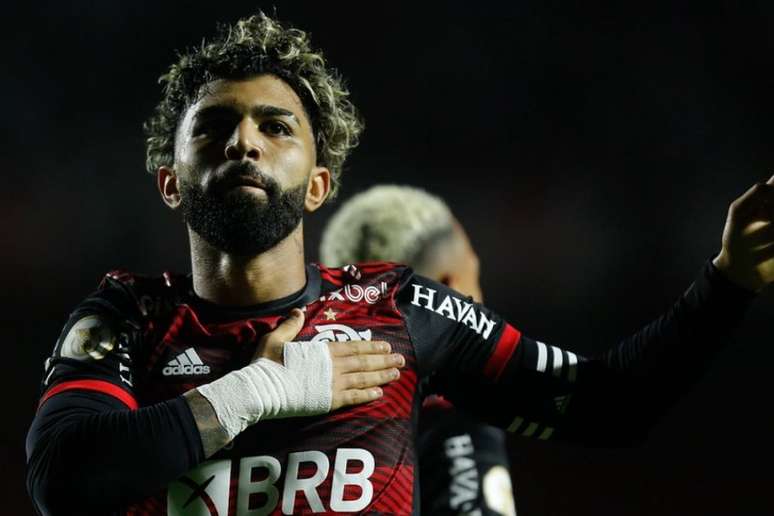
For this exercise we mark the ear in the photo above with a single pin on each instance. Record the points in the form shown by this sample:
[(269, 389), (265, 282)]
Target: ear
[(166, 181), (318, 188)]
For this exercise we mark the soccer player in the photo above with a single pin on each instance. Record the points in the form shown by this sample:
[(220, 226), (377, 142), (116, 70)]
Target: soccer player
[(463, 463), (169, 395)]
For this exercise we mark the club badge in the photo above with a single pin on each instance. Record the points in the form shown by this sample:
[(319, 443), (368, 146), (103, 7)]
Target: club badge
[(90, 337)]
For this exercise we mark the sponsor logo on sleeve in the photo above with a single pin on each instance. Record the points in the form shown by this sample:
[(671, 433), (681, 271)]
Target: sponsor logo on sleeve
[(453, 308)]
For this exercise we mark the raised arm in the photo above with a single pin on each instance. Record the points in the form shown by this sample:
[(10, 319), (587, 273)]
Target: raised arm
[(488, 367)]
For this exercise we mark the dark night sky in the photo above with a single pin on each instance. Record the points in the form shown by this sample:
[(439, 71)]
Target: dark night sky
[(590, 151)]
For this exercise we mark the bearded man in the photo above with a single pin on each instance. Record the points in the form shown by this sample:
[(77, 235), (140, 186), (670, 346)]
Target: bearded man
[(261, 385)]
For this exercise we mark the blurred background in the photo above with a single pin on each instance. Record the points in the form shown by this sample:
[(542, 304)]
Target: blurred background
[(590, 148)]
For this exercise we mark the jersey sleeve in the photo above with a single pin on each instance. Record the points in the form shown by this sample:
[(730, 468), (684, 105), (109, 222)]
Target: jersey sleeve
[(486, 366), (91, 448), (97, 346)]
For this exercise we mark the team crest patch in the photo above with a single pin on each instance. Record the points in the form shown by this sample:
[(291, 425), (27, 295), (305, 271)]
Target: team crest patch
[(339, 333), (498, 492), (90, 337)]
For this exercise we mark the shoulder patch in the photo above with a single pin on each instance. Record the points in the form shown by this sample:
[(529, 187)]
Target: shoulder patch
[(89, 338)]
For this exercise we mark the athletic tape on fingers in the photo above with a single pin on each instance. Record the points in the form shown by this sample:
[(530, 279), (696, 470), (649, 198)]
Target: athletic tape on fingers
[(267, 390)]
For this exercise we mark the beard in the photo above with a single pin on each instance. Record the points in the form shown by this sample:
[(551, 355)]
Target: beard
[(233, 221)]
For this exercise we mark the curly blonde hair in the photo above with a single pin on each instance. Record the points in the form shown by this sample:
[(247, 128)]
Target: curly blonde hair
[(253, 46)]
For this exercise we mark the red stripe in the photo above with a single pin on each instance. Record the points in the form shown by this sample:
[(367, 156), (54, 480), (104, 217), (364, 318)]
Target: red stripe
[(504, 349), (336, 282), (405, 394), (436, 402), (376, 267), (384, 498), (92, 385)]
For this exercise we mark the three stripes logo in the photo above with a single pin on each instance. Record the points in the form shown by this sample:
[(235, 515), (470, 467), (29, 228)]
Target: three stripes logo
[(186, 363)]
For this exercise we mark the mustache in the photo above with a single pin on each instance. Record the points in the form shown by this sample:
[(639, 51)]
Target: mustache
[(243, 173)]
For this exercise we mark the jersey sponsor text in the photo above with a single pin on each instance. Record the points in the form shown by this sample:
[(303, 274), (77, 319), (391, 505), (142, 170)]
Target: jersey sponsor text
[(453, 308), (205, 488)]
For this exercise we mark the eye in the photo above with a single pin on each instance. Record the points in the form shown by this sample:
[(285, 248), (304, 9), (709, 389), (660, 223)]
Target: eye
[(212, 128), (275, 128)]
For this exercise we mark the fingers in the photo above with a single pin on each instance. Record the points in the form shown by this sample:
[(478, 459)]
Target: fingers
[(355, 397), (270, 345), (358, 347), (758, 234), (367, 362), (359, 367), (755, 201), (763, 254), (365, 380), (288, 329)]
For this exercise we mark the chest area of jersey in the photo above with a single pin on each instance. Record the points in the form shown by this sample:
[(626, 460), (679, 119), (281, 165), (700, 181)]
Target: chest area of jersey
[(347, 461), (182, 345)]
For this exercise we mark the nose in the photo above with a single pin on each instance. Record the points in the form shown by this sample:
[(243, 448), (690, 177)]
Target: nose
[(244, 142)]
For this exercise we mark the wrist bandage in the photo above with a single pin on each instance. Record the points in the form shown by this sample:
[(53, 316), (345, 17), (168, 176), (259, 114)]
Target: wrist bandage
[(268, 390)]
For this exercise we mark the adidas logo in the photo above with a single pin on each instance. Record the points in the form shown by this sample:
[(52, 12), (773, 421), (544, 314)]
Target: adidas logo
[(186, 363)]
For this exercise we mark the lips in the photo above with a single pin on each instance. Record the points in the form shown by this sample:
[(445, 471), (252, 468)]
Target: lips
[(236, 181)]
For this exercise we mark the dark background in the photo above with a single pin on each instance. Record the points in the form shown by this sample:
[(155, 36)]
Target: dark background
[(591, 149)]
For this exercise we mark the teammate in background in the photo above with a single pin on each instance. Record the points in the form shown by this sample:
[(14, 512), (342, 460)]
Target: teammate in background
[(408, 225), (172, 395)]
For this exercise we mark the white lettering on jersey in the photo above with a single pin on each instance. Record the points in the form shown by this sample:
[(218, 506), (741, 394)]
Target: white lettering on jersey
[(341, 479), (208, 484), (454, 309), (125, 373), (464, 475), (307, 485), (247, 487), (339, 333), (356, 293)]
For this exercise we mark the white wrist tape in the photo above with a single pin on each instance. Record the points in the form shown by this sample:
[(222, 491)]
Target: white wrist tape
[(268, 390)]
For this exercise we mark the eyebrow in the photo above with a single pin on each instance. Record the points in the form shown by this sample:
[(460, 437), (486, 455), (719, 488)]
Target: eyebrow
[(264, 110), (259, 111)]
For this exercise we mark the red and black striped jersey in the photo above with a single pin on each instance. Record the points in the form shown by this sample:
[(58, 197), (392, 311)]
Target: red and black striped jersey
[(161, 340)]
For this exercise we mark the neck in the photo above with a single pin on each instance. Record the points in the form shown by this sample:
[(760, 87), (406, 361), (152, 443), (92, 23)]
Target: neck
[(225, 279)]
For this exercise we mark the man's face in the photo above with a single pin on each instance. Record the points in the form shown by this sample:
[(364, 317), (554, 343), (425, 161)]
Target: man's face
[(243, 156)]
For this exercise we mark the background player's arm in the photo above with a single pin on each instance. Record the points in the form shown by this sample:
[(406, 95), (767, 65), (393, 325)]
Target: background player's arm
[(488, 367)]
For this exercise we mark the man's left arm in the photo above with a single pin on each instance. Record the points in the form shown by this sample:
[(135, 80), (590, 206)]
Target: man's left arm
[(487, 366)]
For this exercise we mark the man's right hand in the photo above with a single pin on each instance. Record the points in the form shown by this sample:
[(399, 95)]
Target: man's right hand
[(359, 366)]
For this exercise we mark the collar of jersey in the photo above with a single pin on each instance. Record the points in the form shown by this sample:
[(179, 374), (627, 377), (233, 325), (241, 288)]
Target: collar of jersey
[(305, 296)]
